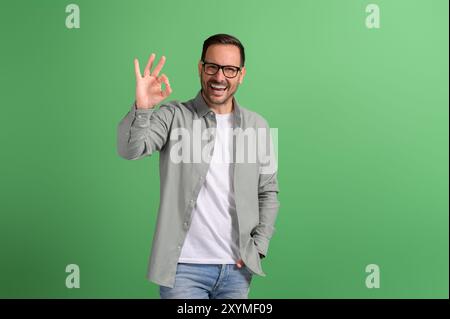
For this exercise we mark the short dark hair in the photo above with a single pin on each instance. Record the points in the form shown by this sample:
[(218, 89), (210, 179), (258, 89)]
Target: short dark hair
[(223, 39)]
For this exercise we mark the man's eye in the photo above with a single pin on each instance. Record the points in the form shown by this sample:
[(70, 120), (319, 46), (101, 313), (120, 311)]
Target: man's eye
[(211, 68)]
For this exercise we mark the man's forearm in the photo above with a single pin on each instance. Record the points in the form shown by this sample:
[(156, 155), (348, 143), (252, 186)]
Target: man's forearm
[(268, 211), (131, 133)]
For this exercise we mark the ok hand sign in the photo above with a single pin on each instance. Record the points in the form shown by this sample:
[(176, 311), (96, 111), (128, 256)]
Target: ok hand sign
[(149, 87)]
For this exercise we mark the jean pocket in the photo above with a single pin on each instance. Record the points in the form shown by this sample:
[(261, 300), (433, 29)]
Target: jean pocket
[(248, 273)]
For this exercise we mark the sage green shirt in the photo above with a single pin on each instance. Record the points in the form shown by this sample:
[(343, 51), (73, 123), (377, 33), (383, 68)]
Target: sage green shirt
[(145, 131)]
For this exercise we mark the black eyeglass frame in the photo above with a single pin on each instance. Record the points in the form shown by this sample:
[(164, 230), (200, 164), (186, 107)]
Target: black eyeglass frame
[(239, 69)]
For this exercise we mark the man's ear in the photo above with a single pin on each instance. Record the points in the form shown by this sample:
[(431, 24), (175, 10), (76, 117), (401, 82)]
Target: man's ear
[(200, 68), (241, 77)]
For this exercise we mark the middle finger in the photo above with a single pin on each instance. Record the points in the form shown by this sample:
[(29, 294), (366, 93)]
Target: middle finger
[(159, 66)]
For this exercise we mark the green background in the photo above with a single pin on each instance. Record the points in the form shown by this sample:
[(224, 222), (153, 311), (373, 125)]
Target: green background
[(362, 118)]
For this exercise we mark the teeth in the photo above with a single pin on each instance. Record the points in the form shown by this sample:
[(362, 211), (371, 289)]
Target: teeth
[(220, 87)]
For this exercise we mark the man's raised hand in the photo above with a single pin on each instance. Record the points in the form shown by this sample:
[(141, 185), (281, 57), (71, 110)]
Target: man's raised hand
[(149, 91)]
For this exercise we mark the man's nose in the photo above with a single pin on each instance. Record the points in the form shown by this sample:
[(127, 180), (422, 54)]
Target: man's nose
[(219, 77)]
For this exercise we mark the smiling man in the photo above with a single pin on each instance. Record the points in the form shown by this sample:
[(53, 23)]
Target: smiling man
[(216, 216)]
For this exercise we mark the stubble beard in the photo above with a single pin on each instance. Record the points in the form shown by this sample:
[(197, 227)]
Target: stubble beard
[(205, 89)]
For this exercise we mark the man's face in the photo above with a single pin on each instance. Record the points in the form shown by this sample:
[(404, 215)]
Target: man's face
[(222, 54)]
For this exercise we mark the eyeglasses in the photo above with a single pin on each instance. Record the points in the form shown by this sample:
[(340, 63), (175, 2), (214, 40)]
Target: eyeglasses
[(228, 70)]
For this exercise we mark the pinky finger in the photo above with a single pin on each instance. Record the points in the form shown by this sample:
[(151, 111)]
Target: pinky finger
[(137, 70)]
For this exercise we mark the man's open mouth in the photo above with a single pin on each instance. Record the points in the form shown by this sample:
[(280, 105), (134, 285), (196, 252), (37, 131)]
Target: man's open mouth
[(217, 87)]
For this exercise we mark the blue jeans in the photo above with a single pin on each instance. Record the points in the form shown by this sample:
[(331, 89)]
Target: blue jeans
[(209, 281)]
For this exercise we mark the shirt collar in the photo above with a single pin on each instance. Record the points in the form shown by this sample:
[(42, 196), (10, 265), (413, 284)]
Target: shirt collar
[(202, 108)]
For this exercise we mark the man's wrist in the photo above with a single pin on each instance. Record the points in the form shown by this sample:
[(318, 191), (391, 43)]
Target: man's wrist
[(142, 106)]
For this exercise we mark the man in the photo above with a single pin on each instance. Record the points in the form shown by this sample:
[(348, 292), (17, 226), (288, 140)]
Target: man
[(217, 211)]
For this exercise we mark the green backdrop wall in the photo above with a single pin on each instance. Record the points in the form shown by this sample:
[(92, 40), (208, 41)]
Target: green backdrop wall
[(362, 118)]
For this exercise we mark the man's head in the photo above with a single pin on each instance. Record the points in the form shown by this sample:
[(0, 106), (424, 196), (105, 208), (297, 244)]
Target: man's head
[(219, 85)]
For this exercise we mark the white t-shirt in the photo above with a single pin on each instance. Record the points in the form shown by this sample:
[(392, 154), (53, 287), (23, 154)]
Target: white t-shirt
[(213, 235)]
